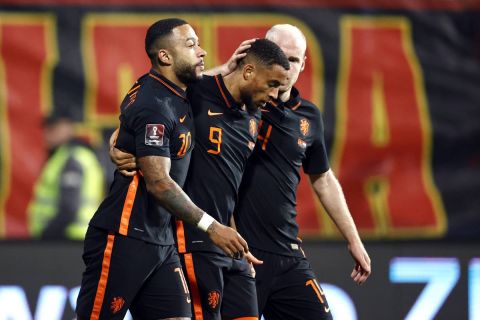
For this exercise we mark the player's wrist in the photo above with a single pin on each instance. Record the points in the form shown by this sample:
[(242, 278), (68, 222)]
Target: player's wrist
[(205, 222)]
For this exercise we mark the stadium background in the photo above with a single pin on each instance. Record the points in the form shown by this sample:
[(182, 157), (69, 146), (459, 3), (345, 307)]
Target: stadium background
[(398, 82)]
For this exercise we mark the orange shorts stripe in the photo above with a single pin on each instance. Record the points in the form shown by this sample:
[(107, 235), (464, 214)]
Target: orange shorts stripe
[(180, 236), (192, 280), (102, 283), (128, 206)]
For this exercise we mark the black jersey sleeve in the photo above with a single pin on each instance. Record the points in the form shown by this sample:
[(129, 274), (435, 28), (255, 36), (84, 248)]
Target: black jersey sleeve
[(152, 127), (316, 158)]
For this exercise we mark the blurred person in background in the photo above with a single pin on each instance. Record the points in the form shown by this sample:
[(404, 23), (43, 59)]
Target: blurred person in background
[(70, 187)]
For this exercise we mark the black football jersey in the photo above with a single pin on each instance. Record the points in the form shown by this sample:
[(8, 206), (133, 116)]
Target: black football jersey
[(156, 120), (225, 136), (290, 135)]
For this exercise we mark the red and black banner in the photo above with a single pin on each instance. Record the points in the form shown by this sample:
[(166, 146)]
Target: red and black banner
[(398, 83)]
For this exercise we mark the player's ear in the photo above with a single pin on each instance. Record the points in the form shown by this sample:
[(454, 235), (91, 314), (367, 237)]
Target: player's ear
[(164, 57), (303, 63), (248, 71)]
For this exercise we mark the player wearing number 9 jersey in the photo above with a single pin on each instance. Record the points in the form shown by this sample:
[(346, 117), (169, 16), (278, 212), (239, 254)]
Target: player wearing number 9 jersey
[(225, 111)]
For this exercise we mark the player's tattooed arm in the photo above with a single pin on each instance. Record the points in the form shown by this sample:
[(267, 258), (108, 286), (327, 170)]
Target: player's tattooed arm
[(159, 183), (168, 193)]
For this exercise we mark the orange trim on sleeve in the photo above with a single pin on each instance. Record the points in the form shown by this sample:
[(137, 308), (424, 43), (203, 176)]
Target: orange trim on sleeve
[(192, 280), (133, 89), (180, 236), (128, 206), (102, 283)]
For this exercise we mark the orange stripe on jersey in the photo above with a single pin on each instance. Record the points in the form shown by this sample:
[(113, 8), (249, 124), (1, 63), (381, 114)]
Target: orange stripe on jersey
[(180, 236), (102, 283), (192, 280), (295, 107), (223, 93), (128, 206)]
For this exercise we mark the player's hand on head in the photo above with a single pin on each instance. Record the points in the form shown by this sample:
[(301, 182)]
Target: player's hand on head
[(362, 269), (228, 239), (238, 55)]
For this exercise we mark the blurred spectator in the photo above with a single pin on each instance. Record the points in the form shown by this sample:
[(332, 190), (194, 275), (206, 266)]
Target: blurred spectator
[(70, 187)]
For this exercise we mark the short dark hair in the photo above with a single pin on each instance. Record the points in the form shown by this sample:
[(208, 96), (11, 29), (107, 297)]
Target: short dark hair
[(268, 54), (157, 32)]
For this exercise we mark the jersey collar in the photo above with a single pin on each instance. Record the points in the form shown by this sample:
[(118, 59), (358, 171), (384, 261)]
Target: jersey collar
[(294, 102), (227, 97), (278, 107), (168, 84)]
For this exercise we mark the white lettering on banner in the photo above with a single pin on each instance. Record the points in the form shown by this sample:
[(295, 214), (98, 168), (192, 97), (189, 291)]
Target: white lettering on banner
[(474, 289), (50, 306), (51, 303), (13, 304), (340, 303), (440, 275)]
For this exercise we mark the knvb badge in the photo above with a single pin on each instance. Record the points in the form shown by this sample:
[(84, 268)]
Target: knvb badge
[(154, 134)]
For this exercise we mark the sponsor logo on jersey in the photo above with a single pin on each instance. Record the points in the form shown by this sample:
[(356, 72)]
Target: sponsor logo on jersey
[(210, 113)]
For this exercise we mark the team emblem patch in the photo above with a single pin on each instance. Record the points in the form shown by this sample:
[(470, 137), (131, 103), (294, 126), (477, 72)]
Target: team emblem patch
[(304, 126), (253, 128), (213, 299), (117, 304), (154, 134)]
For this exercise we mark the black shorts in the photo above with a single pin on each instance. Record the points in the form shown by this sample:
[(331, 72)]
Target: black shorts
[(125, 273), (287, 288), (221, 287)]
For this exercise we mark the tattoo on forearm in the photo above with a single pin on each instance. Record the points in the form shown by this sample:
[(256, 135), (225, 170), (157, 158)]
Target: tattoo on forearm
[(167, 192)]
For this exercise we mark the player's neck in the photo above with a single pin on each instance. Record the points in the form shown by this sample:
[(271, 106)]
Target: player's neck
[(231, 83), (285, 96), (168, 73)]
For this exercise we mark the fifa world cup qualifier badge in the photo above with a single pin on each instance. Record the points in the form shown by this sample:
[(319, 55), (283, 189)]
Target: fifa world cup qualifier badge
[(154, 134)]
